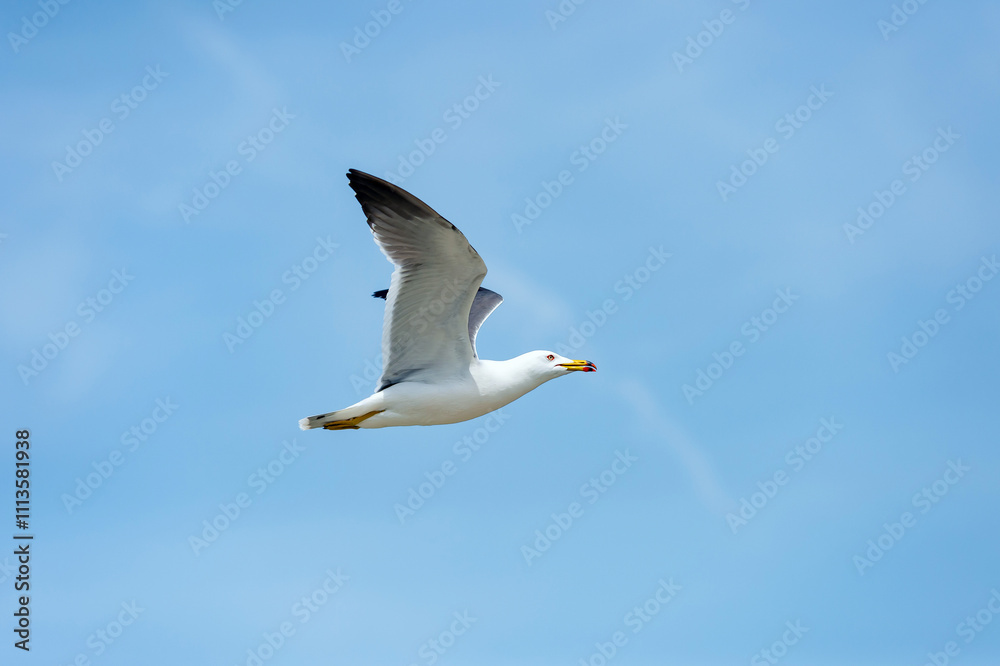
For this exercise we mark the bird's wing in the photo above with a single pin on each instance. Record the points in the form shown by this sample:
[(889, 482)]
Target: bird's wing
[(485, 303), (425, 333), (482, 307)]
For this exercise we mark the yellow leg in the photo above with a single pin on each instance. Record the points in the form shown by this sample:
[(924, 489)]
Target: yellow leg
[(351, 423)]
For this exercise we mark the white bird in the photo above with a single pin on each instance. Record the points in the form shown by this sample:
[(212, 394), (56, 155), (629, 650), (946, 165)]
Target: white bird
[(434, 307)]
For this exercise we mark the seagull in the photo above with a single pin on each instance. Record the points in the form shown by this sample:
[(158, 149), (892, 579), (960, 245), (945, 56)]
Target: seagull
[(434, 308)]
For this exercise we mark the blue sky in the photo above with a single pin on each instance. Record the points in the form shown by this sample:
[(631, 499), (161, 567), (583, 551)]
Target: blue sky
[(790, 445)]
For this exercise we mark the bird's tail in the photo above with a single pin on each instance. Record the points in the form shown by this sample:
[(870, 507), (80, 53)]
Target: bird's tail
[(310, 422), (348, 418)]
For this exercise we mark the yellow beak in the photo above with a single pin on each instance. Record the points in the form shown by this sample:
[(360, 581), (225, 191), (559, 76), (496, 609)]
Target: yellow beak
[(583, 366)]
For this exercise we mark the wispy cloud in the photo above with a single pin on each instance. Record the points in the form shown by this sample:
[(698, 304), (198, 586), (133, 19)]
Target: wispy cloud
[(697, 464)]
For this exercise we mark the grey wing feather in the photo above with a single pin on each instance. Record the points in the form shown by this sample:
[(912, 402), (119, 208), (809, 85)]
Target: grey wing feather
[(482, 307), (485, 303), (425, 332)]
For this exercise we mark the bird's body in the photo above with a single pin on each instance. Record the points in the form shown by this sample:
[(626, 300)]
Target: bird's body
[(434, 308), (488, 386)]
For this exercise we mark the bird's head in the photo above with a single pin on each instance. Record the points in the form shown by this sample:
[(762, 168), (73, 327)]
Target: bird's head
[(552, 365)]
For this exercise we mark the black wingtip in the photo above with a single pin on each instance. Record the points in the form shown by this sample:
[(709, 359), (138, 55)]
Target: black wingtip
[(355, 176), (381, 293), (373, 192)]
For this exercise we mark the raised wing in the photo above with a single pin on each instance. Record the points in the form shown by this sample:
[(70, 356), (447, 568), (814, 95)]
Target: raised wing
[(425, 332), (483, 305)]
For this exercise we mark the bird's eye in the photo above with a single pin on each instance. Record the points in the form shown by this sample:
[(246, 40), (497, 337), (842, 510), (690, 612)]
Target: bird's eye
[(550, 357)]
